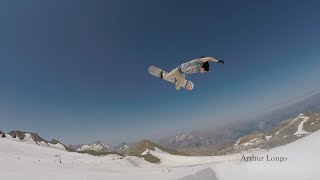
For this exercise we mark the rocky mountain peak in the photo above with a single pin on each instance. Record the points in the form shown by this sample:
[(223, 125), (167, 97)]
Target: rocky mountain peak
[(97, 146)]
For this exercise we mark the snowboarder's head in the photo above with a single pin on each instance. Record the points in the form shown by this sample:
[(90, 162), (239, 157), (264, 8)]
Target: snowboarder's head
[(205, 67)]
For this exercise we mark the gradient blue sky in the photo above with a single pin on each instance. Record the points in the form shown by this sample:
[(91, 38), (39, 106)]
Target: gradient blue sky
[(77, 70)]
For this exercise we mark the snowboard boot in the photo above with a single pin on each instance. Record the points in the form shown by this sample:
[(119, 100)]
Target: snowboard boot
[(161, 75)]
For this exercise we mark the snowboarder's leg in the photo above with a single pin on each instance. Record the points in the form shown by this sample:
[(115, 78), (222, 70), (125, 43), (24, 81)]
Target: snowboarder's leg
[(171, 75), (179, 82), (175, 74)]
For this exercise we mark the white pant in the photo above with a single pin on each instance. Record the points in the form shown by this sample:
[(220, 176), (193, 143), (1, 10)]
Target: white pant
[(175, 74)]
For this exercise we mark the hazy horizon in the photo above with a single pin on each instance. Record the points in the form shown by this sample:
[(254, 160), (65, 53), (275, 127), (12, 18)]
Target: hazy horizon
[(204, 129)]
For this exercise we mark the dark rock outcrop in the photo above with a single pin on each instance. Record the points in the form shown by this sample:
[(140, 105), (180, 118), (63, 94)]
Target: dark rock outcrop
[(19, 134), (2, 134)]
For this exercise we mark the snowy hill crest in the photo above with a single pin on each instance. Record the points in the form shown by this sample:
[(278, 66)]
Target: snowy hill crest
[(33, 138)]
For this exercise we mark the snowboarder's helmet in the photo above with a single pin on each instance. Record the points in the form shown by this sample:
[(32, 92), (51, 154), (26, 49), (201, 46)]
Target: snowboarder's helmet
[(205, 66)]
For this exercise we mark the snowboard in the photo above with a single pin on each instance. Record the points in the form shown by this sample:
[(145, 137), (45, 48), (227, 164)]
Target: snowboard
[(155, 71)]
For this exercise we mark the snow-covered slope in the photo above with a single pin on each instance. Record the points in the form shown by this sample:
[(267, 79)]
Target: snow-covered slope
[(21, 160), (300, 161)]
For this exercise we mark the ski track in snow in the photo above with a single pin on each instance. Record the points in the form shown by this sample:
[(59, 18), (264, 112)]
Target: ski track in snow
[(289, 124), (300, 130)]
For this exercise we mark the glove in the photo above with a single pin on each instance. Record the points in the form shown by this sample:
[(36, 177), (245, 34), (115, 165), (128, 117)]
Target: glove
[(221, 62)]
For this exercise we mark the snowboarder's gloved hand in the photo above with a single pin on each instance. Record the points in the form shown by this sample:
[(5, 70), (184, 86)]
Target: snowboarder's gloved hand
[(221, 62)]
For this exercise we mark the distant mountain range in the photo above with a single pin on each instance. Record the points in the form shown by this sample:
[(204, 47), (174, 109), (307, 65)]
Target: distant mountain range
[(283, 133), (214, 141), (225, 142), (101, 147), (98, 146), (281, 127)]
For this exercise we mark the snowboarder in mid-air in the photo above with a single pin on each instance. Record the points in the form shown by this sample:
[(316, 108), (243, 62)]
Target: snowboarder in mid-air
[(178, 75)]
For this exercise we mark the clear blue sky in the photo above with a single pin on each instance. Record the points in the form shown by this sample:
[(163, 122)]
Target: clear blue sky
[(77, 70)]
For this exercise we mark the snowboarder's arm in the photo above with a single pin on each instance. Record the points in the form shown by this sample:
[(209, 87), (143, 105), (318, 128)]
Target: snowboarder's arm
[(205, 59)]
